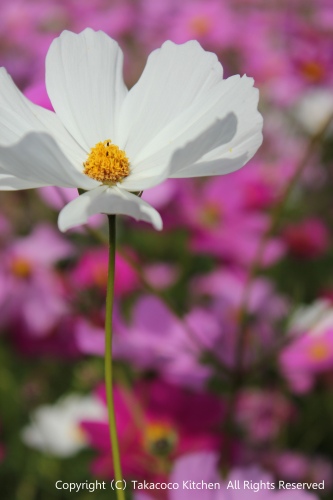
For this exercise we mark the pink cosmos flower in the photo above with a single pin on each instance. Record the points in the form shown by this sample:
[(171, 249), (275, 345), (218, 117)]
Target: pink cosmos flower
[(32, 281), (222, 225), (92, 269), (262, 414), (43, 323), (259, 36), (210, 22), (225, 288), (90, 338), (161, 275), (286, 53), (115, 18), (178, 351), (42, 248), (200, 467), (308, 59), (155, 21), (310, 54), (174, 353), (27, 30), (156, 423), (309, 352), (294, 466), (305, 358)]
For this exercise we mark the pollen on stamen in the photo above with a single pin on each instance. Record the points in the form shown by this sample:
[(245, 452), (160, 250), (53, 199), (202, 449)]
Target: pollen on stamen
[(107, 163)]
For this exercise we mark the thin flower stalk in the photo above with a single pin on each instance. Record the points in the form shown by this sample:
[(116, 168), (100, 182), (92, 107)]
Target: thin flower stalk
[(108, 358)]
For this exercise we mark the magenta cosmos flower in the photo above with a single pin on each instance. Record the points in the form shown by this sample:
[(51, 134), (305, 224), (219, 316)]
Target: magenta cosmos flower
[(158, 423), (181, 119)]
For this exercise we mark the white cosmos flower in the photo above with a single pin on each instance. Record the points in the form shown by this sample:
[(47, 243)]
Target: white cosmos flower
[(181, 119), (315, 319), (55, 429)]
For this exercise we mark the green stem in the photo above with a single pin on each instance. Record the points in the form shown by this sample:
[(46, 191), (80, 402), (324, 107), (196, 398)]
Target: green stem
[(108, 358)]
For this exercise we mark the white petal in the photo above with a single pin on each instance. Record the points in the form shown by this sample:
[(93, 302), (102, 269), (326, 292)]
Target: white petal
[(175, 76), (85, 84), (220, 161), (38, 159), (234, 95), (140, 180), (18, 116), (11, 183), (109, 201), (221, 132), (228, 163), (233, 154)]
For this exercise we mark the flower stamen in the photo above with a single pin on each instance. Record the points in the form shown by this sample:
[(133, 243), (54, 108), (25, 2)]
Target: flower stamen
[(159, 438), (107, 163)]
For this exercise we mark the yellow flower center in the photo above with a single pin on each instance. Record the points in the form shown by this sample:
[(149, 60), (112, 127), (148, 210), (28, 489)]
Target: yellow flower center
[(200, 26), (107, 163), (319, 351), (211, 215), (159, 438), (78, 435), (100, 275), (313, 71), (21, 268)]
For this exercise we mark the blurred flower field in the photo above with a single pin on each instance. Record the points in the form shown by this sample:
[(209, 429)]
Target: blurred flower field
[(223, 321)]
